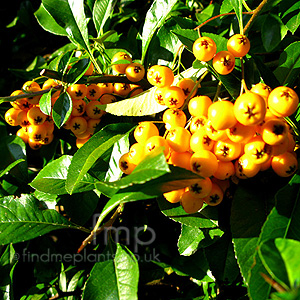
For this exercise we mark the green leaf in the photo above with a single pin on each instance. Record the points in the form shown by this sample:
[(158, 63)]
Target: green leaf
[(151, 178), (79, 207), (23, 219), (11, 166), (71, 17), (282, 222), (195, 266), (114, 278), (288, 68), (13, 151), (290, 250), (155, 18), (88, 154), (62, 109), (77, 70), (168, 43), (291, 15), (207, 217), (45, 103), (221, 259), (230, 81), (189, 240), (272, 260), (47, 22), (208, 12), (247, 220), (186, 36), (266, 74), (238, 8), (102, 10), (272, 32), (8, 261), (52, 178)]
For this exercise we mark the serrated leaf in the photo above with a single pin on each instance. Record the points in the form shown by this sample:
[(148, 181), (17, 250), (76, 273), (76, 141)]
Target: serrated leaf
[(96, 146), (62, 109), (23, 219), (155, 17), (288, 68), (189, 240), (114, 278)]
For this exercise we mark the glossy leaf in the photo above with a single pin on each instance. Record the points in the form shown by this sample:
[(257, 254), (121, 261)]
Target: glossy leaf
[(23, 219), (88, 154), (238, 8), (45, 103), (48, 23), (271, 258), (193, 238), (169, 42), (52, 178), (77, 70), (62, 109), (114, 278), (148, 180), (289, 250), (291, 15), (70, 16), (102, 10), (155, 18), (189, 240), (289, 65)]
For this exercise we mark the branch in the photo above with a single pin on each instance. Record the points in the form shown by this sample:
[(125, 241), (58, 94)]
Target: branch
[(273, 283), (221, 15), (95, 232), (255, 13)]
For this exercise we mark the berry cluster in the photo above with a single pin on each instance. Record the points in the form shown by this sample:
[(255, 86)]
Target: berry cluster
[(221, 140), (37, 128), (205, 49)]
